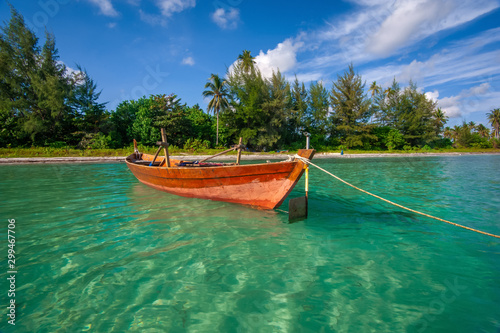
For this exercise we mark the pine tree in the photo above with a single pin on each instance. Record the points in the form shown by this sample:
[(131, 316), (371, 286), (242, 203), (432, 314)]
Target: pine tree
[(414, 116), (39, 102), (84, 100), (18, 64), (351, 108), (51, 87), (297, 119), (276, 110), (318, 109)]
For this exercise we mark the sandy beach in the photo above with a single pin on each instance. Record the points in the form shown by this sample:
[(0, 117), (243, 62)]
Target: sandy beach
[(247, 157)]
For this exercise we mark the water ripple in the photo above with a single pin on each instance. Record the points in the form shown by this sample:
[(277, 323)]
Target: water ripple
[(100, 252)]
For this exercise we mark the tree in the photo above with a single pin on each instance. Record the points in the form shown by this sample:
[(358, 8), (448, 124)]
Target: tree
[(298, 121), (201, 124), (144, 129), (393, 139), (122, 120), (447, 132), (494, 120), (171, 115), (375, 89), (465, 136), (90, 113), (483, 131), (247, 61), (455, 133), (415, 116), (410, 112), (472, 126), (385, 105), (248, 92), (36, 91), (318, 109), (19, 52), (276, 110), (217, 89), (439, 120), (52, 87), (351, 108)]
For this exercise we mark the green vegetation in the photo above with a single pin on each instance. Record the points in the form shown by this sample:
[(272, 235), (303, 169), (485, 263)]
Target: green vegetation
[(217, 89), (471, 135), (47, 110), (40, 101), (201, 150)]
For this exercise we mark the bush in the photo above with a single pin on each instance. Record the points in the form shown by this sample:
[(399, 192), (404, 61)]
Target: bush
[(296, 145), (441, 143), (196, 144), (57, 144), (482, 144), (495, 143), (94, 141), (389, 137)]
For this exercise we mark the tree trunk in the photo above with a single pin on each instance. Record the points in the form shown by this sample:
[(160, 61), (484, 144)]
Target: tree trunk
[(217, 136)]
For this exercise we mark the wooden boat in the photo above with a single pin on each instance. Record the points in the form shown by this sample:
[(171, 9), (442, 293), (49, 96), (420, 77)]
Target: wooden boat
[(264, 185)]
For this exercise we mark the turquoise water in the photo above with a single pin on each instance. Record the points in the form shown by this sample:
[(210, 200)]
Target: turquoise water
[(97, 251)]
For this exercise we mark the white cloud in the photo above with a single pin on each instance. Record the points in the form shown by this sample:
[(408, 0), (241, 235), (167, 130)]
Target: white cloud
[(460, 63), (105, 6), (308, 77), (377, 29), (71, 72), (226, 19), (283, 57), (415, 71), (152, 19), (433, 96), (408, 20), (479, 90), (112, 25), (477, 98), (412, 21), (188, 61), (468, 63), (451, 106), (168, 7)]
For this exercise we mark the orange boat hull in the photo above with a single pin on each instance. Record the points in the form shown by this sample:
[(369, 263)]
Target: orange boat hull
[(264, 185)]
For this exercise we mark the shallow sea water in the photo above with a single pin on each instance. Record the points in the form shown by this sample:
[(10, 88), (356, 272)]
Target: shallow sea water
[(98, 251)]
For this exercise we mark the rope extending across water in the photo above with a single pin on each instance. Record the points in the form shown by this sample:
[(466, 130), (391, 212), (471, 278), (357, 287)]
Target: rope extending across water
[(393, 203)]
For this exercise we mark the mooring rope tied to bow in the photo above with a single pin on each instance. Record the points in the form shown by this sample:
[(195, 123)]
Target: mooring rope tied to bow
[(305, 160)]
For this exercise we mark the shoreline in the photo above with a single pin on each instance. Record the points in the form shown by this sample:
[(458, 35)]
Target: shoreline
[(252, 157)]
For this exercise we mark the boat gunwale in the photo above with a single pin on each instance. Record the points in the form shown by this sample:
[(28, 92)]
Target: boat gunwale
[(128, 160)]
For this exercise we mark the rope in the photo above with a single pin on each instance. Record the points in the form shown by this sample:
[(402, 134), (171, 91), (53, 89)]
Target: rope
[(305, 160)]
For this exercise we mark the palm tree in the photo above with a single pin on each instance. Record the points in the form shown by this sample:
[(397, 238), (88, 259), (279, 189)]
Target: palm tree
[(455, 132), (472, 126), (494, 120), (447, 132), (440, 119), (390, 94), (217, 89), (247, 62), (375, 89), (483, 131)]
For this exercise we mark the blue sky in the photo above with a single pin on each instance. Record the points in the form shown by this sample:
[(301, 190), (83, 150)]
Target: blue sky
[(131, 48)]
